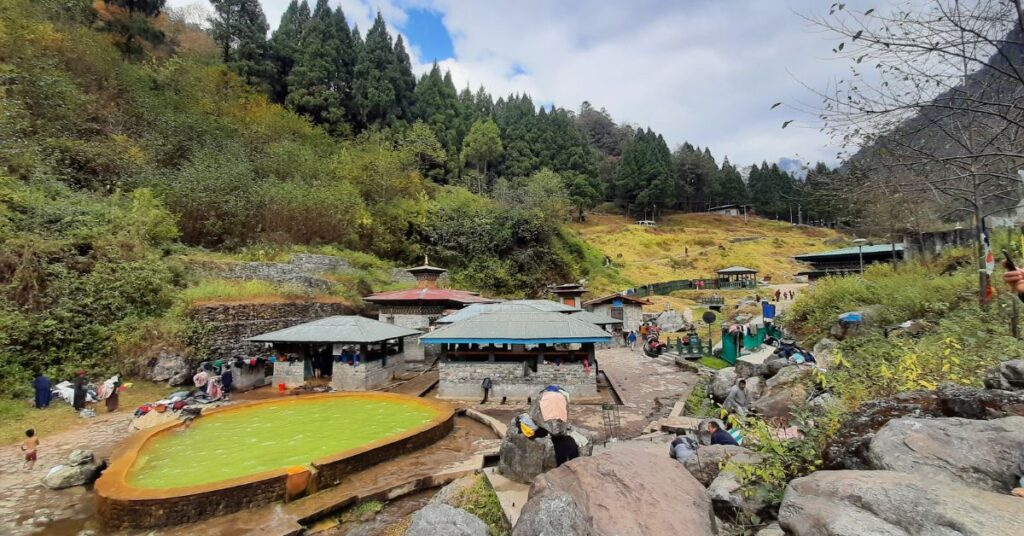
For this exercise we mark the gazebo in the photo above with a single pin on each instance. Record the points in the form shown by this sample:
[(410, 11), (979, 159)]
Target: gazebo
[(737, 277), (356, 353), (521, 353)]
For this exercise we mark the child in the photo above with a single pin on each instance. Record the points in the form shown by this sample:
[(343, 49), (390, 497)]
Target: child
[(30, 446)]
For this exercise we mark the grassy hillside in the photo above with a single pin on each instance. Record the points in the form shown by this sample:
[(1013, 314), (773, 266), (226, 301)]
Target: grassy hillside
[(686, 246)]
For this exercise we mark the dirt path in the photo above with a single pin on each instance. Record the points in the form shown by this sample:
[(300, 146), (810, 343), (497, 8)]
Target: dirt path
[(28, 507)]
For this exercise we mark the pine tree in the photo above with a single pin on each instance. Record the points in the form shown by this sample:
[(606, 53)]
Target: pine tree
[(316, 84), (284, 47), (373, 96), (239, 28), (404, 82), (438, 106)]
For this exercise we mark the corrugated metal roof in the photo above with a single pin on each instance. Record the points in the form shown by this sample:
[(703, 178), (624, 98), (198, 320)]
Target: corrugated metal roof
[(477, 308), (353, 329), (428, 295), (737, 270), (877, 248), (547, 305), (595, 318), (518, 328)]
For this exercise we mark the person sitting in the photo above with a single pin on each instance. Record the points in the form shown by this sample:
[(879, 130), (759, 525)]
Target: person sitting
[(719, 436), (738, 399)]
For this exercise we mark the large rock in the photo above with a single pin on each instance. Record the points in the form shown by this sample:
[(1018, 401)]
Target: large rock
[(747, 369), (707, 462), (774, 365), (68, 476), (1008, 375), (168, 364), (886, 503), (444, 520), (783, 393), (848, 448), (671, 321), (982, 454), (724, 379), (522, 459), (624, 491), (81, 457), (824, 351), (731, 500)]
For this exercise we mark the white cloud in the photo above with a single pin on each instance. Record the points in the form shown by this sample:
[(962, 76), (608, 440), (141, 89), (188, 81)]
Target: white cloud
[(702, 71)]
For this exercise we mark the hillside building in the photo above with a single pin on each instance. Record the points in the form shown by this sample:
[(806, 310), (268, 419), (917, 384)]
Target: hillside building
[(848, 260), (628, 309)]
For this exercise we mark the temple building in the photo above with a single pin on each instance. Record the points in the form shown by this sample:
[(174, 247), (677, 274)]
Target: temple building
[(420, 307), (521, 352), (351, 353), (569, 293)]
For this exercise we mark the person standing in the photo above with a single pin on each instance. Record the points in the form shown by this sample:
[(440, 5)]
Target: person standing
[(30, 446), (227, 379), (487, 389), (78, 385), (201, 379), (43, 387), (113, 397), (631, 339), (778, 295)]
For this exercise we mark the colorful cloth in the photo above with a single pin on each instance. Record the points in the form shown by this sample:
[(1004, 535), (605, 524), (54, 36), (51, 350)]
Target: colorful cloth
[(553, 405)]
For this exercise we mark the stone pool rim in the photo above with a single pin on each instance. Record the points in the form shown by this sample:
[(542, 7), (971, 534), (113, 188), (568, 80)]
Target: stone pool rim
[(112, 486)]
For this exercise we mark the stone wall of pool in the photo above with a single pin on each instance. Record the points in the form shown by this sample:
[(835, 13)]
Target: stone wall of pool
[(122, 506)]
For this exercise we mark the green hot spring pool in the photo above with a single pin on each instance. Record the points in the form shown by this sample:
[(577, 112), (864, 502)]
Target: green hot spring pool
[(266, 436)]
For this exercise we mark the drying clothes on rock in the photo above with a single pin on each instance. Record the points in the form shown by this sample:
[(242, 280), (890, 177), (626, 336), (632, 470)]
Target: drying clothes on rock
[(682, 448), (553, 405), (526, 426), (66, 391), (565, 449)]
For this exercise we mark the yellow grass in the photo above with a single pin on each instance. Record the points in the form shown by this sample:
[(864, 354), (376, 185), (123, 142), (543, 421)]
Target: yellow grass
[(650, 255)]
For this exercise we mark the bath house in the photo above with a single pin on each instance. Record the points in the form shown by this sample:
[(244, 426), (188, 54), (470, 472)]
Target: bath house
[(332, 346), (521, 352), (420, 307)]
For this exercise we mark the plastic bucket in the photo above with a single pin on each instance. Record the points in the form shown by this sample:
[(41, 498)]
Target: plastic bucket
[(281, 387)]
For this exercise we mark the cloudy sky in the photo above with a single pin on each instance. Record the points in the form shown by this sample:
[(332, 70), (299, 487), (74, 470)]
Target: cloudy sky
[(703, 71)]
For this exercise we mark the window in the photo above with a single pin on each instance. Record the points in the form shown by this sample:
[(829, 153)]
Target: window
[(617, 313)]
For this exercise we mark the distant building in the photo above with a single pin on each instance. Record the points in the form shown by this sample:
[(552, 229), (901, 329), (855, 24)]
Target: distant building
[(568, 293), (521, 353), (731, 210), (737, 277), (848, 260), (419, 308), (628, 309)]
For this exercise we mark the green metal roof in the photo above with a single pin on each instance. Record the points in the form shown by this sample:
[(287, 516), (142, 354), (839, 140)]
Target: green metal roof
[(351, 329), (518, 328), (547, 305), (595, 318), (873, 249), (477, 308)]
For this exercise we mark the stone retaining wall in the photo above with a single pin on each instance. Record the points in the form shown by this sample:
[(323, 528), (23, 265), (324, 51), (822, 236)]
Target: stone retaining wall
[(223, 328), (463, 380), (368, 375)]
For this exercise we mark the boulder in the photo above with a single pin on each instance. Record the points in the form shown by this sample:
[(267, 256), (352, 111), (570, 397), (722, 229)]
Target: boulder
[(670, 321), (848, 448), (554, 426), (755, 386), (1008, 375), (747, 369), (444, 520), (452, 492), (181, 378), (771, 530), (982, 454), (730, 500), (167, 365), (67, 476), (707, 463), (783, 393), (723, 380), (622, 491), (81, 457), (824, 351), (886, 503), (522, 459), (774, 365)]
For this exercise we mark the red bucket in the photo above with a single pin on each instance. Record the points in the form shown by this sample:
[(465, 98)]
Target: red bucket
[(281, 387)]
